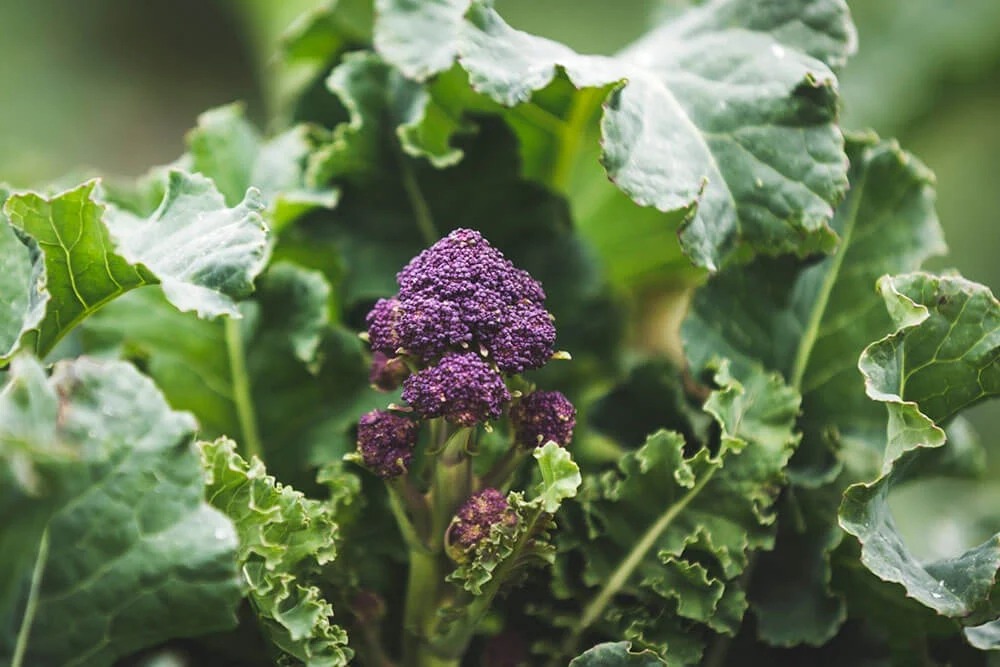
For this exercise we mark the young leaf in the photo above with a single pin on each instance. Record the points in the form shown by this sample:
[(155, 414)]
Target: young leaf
[(133, 556), (672, 531), (810, 322), (284, 539), (203, 254), (940, 360), (735, 101)]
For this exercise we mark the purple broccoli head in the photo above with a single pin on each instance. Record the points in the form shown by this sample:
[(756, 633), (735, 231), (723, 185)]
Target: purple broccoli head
[(474, 519), (387, 373), (386, 442), (463, 294), (462, 388), (542, 416)]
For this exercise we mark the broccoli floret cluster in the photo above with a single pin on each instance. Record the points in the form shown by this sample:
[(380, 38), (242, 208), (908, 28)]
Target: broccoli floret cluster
[(542, 416), (474, 519), (462, 388), (462, 294), (464, 318), (386, 442)]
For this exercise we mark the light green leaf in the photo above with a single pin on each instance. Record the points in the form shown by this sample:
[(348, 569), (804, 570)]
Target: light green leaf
[(284, 538), (615, 655), (228, 149), (134, 554), (203, 254), (810, 321), (422, 36), (941, 360), (735, 102), (560, 476), (673, 531)]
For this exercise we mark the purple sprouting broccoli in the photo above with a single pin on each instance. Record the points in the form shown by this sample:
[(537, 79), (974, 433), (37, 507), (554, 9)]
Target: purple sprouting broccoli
[(387, 373), (386, 442), (542, 416), (462, 388), (463, 294), (475, 518)]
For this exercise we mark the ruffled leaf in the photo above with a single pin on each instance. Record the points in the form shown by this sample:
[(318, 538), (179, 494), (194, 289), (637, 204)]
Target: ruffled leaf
[(941, 360), (284, 538), (672, 530), (810, 321)]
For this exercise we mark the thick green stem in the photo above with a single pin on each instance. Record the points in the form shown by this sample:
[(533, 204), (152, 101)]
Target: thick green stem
[(242, 395), (451, 484), (455, 643), (21, 646), (502, 472), (421, 598)]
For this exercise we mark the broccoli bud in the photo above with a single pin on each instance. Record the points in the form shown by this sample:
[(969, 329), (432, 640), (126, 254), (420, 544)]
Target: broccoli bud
[(386, 442)]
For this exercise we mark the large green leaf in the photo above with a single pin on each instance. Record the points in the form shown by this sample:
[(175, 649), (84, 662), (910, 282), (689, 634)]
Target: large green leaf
[(941, 360), (672, 529), (203, 254), (132, 555), (295, 385), (284, 539), (810, 321), (733, 121)]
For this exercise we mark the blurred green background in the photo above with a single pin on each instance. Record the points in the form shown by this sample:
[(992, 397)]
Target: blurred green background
[(112, 85)]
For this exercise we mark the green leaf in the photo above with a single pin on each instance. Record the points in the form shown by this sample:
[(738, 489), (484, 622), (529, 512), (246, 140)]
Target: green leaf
[(810, 321), (672, 530), (227, 148), (284, 539), (560, 477), (92, 253), (615, 655), (735, 100), (135, 556), (940, 360), (302, 375)]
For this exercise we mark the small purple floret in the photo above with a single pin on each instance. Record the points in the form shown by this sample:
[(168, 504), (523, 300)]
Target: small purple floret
[(462, 388), (525, 340), (478, 515), (454, 266), (383, 326), (386, 442), (387, 373), (542, 416)]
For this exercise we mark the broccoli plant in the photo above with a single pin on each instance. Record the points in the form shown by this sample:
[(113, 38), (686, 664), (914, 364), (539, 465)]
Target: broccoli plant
[(493, 353)]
